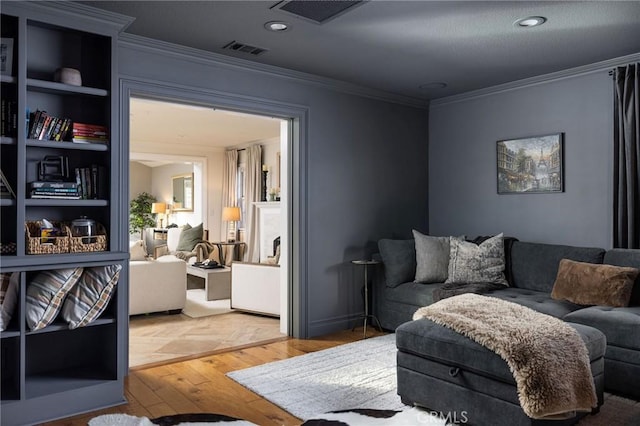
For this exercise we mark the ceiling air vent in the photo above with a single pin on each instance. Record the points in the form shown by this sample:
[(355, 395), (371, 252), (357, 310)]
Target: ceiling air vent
[(245, 48), (316, 11)]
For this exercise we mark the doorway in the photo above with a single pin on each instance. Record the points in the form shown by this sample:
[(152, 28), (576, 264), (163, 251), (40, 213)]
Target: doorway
[(169, 147)]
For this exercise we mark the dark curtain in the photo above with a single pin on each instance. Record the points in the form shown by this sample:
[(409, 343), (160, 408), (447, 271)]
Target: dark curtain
[(626, 166)]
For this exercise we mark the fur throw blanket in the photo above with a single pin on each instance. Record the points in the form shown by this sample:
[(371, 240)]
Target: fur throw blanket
[(548, 359)]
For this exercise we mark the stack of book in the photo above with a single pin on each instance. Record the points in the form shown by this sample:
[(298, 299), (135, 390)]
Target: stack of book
[(55, 190), (92, 182), (89, 133), (43, 126)]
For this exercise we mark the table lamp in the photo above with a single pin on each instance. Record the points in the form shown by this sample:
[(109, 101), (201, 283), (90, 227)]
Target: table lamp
[(231, 215), (159, 208)]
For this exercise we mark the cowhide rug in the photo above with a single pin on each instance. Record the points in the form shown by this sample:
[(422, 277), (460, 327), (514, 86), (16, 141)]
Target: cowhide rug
[(356, 417)]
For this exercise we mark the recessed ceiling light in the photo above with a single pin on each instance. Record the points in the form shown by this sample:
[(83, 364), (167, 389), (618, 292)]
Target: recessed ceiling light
[(429, 86), (277, 26), (531, 21)]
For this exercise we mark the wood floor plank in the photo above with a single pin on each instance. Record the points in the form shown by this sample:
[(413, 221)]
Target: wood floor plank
[(201, 385)]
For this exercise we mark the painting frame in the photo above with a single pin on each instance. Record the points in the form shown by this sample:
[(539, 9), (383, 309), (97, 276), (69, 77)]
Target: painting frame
[(6, 56), (530, 165)]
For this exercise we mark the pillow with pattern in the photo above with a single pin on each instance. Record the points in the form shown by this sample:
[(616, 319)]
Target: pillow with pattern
[(8, 297), (88, 299), (470, 263), (45, 294)]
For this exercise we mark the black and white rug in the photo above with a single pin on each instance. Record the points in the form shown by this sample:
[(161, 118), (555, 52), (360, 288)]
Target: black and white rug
[(358, 417)]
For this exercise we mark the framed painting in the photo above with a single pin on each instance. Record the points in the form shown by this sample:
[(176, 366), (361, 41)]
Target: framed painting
[(531, 165)]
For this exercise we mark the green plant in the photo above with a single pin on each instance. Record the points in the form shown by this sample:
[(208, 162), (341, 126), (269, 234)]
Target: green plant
[(140, 215)]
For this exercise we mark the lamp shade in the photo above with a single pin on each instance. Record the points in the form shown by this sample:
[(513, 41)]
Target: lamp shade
[(158, 208), (231, 214)]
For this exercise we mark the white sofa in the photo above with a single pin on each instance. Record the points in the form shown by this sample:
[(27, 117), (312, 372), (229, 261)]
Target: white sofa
[(157, 285), (255, 287)]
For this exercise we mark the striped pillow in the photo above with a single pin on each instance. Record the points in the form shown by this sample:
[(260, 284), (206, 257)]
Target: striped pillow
[(90, 297), (8, 297), (45, 294)]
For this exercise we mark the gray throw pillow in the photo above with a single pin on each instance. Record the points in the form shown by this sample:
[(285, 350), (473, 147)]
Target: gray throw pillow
[(469, 263), (432, 258), (399, 260), (189, 238)]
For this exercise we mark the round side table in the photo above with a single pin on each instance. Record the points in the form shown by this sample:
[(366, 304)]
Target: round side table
[(367, 315)]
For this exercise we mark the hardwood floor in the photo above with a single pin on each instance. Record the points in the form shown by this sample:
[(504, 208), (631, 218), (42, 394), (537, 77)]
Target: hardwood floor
[(200, 385), (157, 338)]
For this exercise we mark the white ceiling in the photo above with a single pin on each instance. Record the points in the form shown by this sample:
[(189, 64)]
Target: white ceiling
[(165, 125), (397, 46)]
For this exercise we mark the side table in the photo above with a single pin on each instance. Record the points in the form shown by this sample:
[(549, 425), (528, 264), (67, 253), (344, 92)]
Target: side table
[(217, 282), (236, 246), (367, 315)]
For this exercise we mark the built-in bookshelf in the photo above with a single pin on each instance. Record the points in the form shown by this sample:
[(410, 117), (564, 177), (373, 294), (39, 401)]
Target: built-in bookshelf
[(56, 371)]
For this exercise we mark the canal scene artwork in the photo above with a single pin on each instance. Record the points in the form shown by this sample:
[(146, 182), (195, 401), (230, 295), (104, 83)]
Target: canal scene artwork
[(530, 165)]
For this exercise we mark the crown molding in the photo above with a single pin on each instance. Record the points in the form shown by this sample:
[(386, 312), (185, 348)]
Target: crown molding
[(69, 8), (204, 57), (606, 65)]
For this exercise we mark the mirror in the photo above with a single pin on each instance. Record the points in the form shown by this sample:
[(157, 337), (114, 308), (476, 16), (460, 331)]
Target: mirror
[(182, 193)]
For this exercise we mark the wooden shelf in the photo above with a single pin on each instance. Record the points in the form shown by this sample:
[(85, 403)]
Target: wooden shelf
[(64, 380), (9, 333), (63, 326), (7, 202), (31, 262), (8, 79), (6, 140)]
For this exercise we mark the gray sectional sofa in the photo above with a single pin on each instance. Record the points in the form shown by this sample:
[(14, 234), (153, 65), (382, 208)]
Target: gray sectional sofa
[(531, 270)]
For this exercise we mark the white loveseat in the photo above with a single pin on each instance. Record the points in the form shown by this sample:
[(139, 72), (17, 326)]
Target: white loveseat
[(155, 285)]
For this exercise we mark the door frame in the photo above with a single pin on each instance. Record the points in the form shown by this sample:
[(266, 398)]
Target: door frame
[(296, 164)]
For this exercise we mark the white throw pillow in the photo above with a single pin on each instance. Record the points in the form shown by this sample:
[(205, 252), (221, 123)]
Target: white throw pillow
[(470, 263), (137, 251)]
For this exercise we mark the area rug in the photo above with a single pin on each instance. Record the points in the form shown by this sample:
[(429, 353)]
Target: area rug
[(355, 375), (197, 305), (364, 417), (363, 375)]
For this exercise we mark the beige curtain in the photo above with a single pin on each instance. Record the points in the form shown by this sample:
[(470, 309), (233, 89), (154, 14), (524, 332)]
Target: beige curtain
[(229, 185), (252, 186)]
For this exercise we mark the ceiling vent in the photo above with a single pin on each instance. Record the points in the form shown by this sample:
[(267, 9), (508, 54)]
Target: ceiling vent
[(245, 48), (316, 11)]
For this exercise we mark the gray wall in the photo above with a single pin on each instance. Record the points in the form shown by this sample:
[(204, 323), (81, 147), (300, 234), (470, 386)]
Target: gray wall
[(463, 195), (366, 169)]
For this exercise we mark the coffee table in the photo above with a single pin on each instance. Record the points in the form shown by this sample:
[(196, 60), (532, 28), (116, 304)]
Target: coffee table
[(217, 282)]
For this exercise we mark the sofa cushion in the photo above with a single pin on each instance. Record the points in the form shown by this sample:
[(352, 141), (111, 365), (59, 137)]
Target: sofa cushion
[(620, 325), (412, 293), (537, 300), (399, 259), (626, 257), (594, 284), (535, 266), (432, 258), (469, 262)]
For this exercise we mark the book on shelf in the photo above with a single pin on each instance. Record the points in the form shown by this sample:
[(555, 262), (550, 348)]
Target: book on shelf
[(92, 182), (55, 197), (9, 118), (43, 126), (48, 184), (5, 189), (89, 133)]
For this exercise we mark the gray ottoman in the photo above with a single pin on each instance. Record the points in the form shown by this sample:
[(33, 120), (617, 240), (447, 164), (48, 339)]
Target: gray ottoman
[(444, 371)]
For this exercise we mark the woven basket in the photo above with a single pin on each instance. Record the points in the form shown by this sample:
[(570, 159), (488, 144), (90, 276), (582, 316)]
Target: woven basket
[(55, 245), (83, 244)]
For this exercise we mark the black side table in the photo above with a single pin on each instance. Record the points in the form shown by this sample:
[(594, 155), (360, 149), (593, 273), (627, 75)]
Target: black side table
[(367, 315)]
